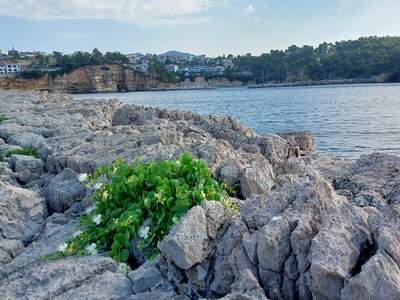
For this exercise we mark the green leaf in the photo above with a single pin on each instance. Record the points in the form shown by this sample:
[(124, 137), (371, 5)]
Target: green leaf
[(124, 255)]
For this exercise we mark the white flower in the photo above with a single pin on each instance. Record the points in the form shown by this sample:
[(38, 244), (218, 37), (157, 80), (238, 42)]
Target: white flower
[(77, 233), (276, 218), (91, 249), (83, 177), (90, 209), (144, 232), (122, 268), (97, 186), (63, 247), (97, 219)]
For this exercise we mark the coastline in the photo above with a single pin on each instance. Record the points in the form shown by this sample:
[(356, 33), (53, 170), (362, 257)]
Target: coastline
[(300, 214)]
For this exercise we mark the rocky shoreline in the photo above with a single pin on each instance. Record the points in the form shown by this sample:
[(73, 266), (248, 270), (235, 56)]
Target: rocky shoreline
[(309, 226)]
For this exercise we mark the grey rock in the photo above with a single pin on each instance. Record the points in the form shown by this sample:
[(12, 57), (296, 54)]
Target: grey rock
[(109, 285), (273, 245), (22, 213), (369, 199), (379, 279), (257, 178), (187, 243), (63, 190), (146, 278), (67, 278), (27, 168), (231, 173), (9, 249), (303, 140)]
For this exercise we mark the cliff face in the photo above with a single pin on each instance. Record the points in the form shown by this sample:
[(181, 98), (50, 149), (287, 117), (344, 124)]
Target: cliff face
[(19, 84), (93, 79), (111, 78)]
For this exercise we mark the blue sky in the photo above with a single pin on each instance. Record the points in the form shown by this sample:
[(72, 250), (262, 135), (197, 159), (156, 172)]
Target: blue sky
[(211, 27)]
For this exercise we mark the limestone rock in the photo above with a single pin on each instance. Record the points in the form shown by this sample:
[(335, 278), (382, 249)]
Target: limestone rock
[(146, 278), (22, 213), (187, 242), (379, 279), (63, 190), (27, 168), (304, 141), (257, 178), (231, 173)]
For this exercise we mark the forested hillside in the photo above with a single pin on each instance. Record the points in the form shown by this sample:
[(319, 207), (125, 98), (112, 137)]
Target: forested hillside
[(362, 58)]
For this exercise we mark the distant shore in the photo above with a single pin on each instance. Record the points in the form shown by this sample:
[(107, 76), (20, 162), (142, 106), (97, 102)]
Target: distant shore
[(315, 83)]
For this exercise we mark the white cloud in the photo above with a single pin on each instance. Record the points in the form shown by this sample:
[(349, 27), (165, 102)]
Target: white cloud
[(250, 8), (142, 12)]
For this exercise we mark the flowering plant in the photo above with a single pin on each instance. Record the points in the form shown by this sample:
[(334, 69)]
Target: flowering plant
[(125, 195)]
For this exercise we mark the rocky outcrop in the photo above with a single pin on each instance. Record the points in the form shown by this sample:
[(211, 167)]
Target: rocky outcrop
[(308, 226), (91, 79)]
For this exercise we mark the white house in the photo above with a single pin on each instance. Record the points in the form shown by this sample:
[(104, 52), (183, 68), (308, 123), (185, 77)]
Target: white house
[(13, 68), (9, 68), (172, 68)]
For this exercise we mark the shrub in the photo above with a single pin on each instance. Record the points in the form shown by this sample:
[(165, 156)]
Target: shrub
[(31, 74), (29, 151), (141, 201)]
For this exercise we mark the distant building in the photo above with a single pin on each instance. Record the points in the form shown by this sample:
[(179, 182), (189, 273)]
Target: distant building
[(3, 69), (135, 57), (13, 68), (28, 54), (227, 63), (172, 68), (9, 68), (202, 70)]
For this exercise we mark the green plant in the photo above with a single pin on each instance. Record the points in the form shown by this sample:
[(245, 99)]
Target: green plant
[(29, 151), (143, 202), (4, 118)]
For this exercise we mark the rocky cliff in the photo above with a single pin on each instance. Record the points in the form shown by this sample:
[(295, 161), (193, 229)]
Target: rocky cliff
[(309, 226), (93, 79)]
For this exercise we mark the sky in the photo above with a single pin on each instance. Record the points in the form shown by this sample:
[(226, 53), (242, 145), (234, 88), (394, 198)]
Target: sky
[(211, 27)]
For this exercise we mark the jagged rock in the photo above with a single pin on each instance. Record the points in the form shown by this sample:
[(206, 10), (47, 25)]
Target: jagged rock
[(336, 250), (231, 173), (22, 213), (146, 278), (27, 139), (257, 178), (224, 276), (27, 168), (378, 279), (63, 190), (369, 199), (6, 174), (216, 215), (90, 277), (273, 147), (304, 141), (296, 236), (9, 249), (187, 243)]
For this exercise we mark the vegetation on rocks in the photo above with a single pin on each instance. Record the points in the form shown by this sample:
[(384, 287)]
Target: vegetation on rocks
[(141, 202), (4, 118), (28, 151)]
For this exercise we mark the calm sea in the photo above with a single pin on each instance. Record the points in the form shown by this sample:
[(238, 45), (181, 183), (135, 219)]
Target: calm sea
[(346, 120)]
